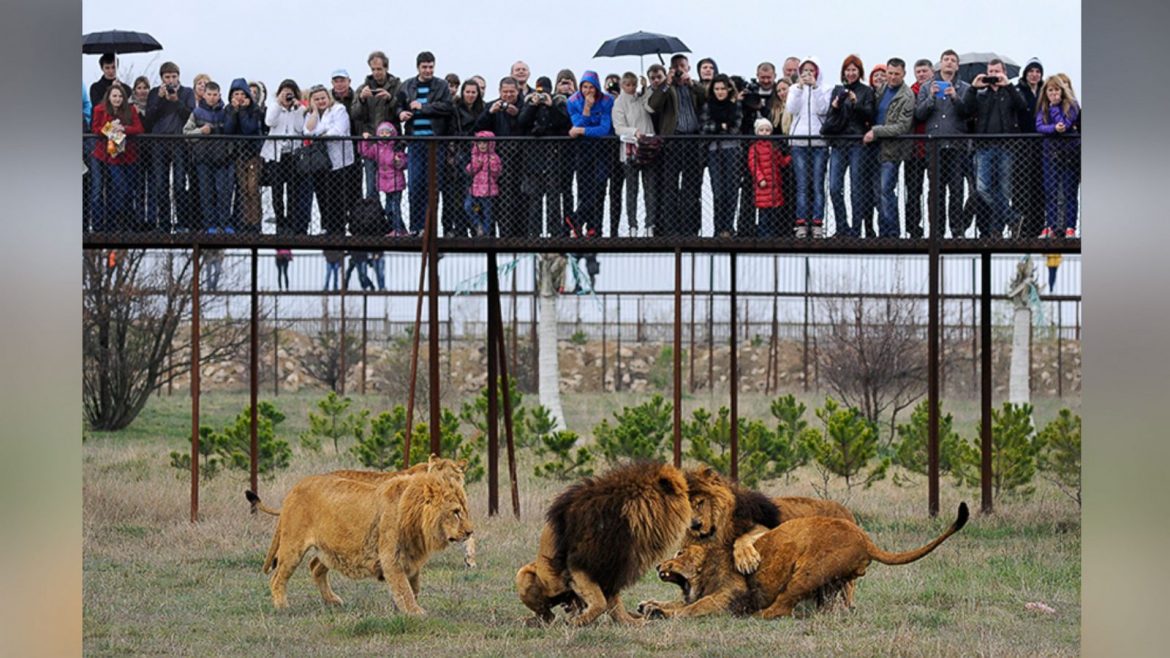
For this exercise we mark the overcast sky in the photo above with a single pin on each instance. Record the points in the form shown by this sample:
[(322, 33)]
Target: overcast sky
[(270, 41)]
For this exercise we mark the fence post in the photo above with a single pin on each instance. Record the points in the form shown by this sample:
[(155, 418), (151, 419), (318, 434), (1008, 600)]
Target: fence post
[(196, 256), (677, 360), (1059, 349), (692, 381), (804, 355), (254, 376), (985, 387), (341, 340), (365, 314), (433, 296), (604, 360), (493, 364), (933, 343), (733, 382), (617, 364)]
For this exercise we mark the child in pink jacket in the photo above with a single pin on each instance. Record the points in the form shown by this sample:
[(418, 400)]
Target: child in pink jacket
[(391, 181), (485, 167)]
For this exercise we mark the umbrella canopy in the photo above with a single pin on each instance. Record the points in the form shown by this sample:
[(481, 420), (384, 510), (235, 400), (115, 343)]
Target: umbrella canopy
[(641, 43), (118, 42), (972, 64)]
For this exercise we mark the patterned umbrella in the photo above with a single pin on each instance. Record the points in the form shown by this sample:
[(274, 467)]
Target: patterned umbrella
[(118, 42)]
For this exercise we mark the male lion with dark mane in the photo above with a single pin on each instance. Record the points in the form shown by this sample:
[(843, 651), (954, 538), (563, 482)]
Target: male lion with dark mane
[(801, 559), (727, 520), (601, 534), (386, 530)]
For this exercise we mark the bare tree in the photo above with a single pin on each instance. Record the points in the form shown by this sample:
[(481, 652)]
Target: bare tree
[(874, 357), (323, 361), (133, 307)]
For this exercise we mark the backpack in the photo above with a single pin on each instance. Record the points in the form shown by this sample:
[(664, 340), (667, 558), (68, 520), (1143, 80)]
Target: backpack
[(366, 219)]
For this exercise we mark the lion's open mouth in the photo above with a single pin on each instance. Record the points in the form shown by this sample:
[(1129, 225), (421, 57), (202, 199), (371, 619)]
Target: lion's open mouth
[(677, 579)]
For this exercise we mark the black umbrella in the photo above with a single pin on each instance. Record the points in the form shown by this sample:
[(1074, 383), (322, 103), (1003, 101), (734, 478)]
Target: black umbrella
[(118, 42), (641, 43), (972, 64)]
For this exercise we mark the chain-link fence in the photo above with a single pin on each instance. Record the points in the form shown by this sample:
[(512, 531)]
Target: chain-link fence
[(994, 189)]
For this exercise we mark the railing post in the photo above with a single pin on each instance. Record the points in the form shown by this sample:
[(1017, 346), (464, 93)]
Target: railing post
[(734, 375), (677, 360), (985, 388), (196, 257), (493, 365), (433, 297), (254, 376), (932, 365)]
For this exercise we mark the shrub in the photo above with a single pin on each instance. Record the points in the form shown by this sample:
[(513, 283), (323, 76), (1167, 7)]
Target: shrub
[(911, 452), (579, 338), (565, 464), (333, 422), (763, 454), (788, 453), (661, 375), (639, 433), (846, 447), (230, 448), (382, 448), (475, 413), (1059, 457), (1013, 452)]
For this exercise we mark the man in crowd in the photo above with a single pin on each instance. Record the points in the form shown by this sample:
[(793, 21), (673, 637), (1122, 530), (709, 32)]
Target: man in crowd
[(167, 109), (791, 68), (676, 100), (502, 117), (97, 90), (754, 100), (376, 102), (895, 113), (939, 107), (520, 73), (1027, 185), (424, 105), (914, 171), (996, 105)]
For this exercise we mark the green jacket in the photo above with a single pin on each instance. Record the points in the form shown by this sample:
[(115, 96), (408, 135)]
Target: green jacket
[(899, 121)]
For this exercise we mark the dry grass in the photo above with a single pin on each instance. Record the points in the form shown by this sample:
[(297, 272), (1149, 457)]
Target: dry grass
[(156, 584)]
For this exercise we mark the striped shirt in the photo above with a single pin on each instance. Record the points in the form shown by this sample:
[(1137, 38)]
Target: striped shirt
[(422, 125)]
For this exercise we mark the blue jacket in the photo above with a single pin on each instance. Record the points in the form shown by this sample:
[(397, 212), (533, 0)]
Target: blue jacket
[(166, 117), (598, 123), (209, 151), (244, 121), (86, 110)]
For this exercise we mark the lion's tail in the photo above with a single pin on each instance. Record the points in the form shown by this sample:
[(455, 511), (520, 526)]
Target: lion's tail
[(270, 559), (257, 505), (918, 553)]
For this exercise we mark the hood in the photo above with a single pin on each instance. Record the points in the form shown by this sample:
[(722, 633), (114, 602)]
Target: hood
[(876, 68), (491, 145), (815, 61), (263, 92), (386, 124), (240, 84), (591, 78), (1033, 63)]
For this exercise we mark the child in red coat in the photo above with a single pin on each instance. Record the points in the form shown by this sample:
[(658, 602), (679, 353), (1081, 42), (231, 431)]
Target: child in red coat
[(764, 163)]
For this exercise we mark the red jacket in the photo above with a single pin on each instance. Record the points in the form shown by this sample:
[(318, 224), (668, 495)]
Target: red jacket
[(128, 156), (764, 163)]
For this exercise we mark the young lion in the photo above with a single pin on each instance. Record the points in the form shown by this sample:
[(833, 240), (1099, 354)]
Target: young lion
[(601, 534), (386, 531)]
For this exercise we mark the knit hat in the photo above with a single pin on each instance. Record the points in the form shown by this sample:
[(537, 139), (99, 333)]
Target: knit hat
[(544, 83), (1033, 63), (386, 125), (760, 123)]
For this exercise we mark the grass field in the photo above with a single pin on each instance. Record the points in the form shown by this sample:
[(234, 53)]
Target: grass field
[(156, 584)]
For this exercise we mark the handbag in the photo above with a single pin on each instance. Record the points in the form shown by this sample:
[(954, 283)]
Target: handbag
[(312, 158)]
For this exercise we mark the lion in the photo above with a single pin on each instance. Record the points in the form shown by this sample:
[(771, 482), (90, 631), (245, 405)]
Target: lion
[(727, 521), (455, 470), (386, 531), (600, 535)]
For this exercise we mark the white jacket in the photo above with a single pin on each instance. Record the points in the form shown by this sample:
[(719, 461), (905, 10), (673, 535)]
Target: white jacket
[(630, 115), (282, 121), (335, 121), (809, 107)]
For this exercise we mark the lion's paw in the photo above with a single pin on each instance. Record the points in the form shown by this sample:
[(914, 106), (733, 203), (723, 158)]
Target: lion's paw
[(747, 559), (651, 610)]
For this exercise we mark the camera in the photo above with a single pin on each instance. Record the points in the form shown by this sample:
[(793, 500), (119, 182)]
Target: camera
[(991, 79), (172, 89), (503, 105)]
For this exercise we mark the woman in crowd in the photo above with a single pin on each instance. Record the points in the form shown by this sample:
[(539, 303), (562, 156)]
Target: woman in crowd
[(871, 168), (852, 106), (329, 118), (138, 202), (722, 114), (292, 192), (566, 86), (468, 106), (808, 102), (781, 120), (1058, 114), (116, 157)]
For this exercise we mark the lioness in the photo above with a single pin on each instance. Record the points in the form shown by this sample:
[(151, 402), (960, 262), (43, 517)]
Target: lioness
[(601, 534), (386, 531), (804, 558)]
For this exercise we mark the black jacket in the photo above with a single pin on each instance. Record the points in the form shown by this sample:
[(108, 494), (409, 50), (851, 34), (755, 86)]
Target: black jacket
[(365, 115), (540, 120), (995, 111), (502, 124), (717, 118), (858, 115), (438, 107), (463, 120)]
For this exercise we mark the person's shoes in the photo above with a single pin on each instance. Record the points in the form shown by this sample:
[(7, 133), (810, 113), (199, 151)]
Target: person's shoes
[(818, 231), (229, 230), (212, 230), (479, 232), (1070, 233), (801, 231), (649, 232), (724, 234), (1047, 233)]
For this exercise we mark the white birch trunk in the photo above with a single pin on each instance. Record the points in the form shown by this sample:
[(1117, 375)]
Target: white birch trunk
[(1019, 383), (551, 268)]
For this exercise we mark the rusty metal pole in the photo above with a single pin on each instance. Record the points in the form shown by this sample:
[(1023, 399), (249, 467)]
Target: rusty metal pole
[(734, 383), (515, 318), (932, 358), (493, 364), (677, 357), (774, 344), (433, 297), (505, 386), (617, 359), (275, 345), (691, 386), (1059, 349), (804, 357), (341, 334), (365, 315), (254, 377), (985, 384), (604, 356), (195, 260), (422, 270)]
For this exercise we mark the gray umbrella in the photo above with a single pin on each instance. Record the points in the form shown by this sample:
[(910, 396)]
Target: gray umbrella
[(641, 43), (972, 64)]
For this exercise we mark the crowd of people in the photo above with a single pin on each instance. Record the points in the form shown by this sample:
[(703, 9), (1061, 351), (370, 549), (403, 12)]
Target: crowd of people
[(645, 138)]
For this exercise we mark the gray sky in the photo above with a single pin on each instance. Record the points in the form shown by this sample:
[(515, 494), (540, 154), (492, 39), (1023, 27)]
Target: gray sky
[(270, 41)]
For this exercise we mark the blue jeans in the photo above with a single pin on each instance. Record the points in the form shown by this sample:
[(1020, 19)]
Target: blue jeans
[(111, 196), (167, 156), (809, 166), (591, 162), (379, 265), (333, 271), (849, 156), (889, 224), (216, 183), (416, 181), (370, 167), (993, 182), (769, 223), (724, 165), (1060, 186), (393, 211), (479, 213)]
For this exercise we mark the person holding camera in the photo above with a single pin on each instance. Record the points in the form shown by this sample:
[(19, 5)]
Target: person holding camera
[(502, 118), (377, 101), (808, 102), (1027, 186), (939, 106), (675, 100), (244, 117), (292, 192), (544, 115), (851, 113), (996, 105), (168, 108)]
